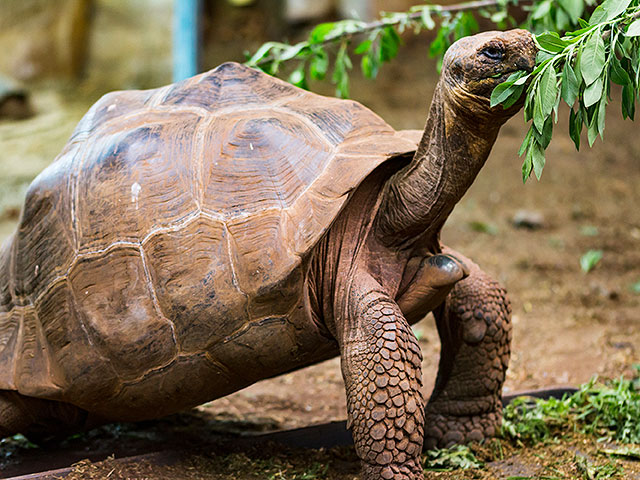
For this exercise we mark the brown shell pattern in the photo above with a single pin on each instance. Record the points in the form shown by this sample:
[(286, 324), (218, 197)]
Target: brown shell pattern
[(169, 207)]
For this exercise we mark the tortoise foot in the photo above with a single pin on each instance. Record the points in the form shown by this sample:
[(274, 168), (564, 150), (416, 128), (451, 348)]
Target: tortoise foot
[(444, 430), (407, 471)]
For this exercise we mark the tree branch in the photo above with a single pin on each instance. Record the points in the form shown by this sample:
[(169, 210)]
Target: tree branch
[(393, 21)]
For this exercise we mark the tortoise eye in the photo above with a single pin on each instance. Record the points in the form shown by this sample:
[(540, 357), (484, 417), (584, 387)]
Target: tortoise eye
[(493, 52)]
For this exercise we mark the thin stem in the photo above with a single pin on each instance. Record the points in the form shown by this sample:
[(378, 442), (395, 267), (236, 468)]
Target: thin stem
[(387, 22), (460, 7)]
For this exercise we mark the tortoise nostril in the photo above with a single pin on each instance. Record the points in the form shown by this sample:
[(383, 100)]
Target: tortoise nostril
[(525, 63)]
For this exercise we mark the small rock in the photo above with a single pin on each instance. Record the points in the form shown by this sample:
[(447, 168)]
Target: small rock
[(599, 290), (530, 219), (14, 100)]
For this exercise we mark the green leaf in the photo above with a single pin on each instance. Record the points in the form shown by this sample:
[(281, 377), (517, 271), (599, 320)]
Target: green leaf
[(551, 42), (262, 52), (541, 10), (618, 74), (514, 97), (593, 92), (527, 165), (570, 84), (293, 51), (439, 44), (427, 21), (624, 452), (319, 33), (635, 288), (363, 47), (538, 160), (370, 64), (592, 58), (590, 259), (634, 29), (319, 64), (465, 25), (544, 138), (526, 141), (598, 15), (389, 44), (340, 77), (548, 89), (501, 93), (575, 127), (573, 7), (457, 457), (562, 20), (542, 58), (592, 129), (298, 78), (538, 114), (628, 102), (602, 107), (608, 10), (483, 227)]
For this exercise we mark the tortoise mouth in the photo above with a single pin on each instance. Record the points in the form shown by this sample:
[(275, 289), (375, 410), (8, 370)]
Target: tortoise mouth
[(489, 83), (506, 75)]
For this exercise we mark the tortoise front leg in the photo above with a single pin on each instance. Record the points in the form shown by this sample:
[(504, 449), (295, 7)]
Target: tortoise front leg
[(381, 365), (474, 324)]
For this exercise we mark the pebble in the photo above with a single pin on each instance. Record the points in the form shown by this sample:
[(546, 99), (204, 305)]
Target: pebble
[(530, 219)]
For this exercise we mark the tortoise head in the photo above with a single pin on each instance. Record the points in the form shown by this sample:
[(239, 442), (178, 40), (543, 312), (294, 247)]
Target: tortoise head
[(473, 66)]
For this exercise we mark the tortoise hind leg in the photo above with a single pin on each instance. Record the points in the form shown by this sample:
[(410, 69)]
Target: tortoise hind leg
[(36, 417), (15, 416), (474, 324)]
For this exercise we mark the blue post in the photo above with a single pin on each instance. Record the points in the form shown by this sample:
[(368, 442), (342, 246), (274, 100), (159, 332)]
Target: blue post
[(185, 38)]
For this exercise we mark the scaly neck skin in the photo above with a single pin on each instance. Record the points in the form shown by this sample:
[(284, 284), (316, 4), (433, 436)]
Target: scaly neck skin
[(455, 145)]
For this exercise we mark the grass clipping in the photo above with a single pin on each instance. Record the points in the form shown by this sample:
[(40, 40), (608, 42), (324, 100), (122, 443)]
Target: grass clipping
[(564, 438), (609, 411)]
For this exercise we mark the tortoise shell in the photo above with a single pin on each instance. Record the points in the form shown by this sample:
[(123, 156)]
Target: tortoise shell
[(168, 208)]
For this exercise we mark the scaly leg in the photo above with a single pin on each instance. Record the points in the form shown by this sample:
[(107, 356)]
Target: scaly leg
[(474, 324), (38, 418), (381, 362), (15, 416)]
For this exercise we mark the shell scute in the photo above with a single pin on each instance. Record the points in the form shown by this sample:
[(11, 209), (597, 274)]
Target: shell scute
[(199, 297), (84, 373), (111, 106), (37, 373), (10, 324), (145, 174), (47, 215), (259, 163), (261, 262), (120, 315), (230, 85)]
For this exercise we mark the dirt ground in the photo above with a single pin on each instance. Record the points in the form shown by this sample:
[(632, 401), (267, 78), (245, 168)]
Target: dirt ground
[(568, 325)]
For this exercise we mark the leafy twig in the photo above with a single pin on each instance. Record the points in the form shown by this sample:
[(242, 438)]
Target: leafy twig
[(577, 68), (380, 44)]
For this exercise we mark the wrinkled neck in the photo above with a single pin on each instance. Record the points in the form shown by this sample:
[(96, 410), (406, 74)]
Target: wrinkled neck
[(455, 145)]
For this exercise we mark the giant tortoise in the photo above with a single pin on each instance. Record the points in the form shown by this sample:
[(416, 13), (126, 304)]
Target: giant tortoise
[(194, 239)]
